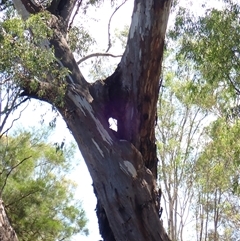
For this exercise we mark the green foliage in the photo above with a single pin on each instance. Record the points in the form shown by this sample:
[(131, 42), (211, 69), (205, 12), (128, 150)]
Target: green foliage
[(26, 57), (214, 50), (80, 40), (18, 41), (223, 147), (179, 134), (217, 177), (38, 197), (122, 35), (205, 59)]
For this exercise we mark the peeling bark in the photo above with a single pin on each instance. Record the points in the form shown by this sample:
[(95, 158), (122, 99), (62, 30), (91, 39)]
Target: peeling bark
[(122, 165), (141, 68)]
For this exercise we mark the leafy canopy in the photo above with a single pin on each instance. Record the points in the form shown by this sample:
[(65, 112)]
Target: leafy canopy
[(38, 197)]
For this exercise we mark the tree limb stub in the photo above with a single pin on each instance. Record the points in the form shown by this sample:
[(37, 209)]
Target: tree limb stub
[(120, 166)]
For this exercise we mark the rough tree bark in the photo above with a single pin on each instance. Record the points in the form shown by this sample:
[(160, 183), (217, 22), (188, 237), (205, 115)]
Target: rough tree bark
[(6, 231), (123, 165)]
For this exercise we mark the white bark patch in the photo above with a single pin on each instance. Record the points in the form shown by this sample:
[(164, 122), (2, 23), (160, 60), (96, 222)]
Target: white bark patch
[(68, 75), (138, 17), (148, 21), (45, 44), (84, 106), (140, 54), (63, 41), (99, 149), (135, 18), (144, 183), (77, 100), (22, 11), (128, 168)]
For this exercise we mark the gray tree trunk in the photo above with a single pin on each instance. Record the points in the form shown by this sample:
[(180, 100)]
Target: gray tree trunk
[(123, 165), (6, 231)]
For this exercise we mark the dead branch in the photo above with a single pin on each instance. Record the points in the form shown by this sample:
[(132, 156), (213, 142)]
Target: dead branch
[(8, 110), (109, 23), (15, 119), (75, 14), (97, 55)]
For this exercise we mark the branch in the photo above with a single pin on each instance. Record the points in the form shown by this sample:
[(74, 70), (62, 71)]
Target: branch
[(25, 8), (109, 23), (97, 55), (57, 7), (142, 60), (75, 14), (5, 181), (22, 197), (233, 85), (5, 4), (65, 9), (8, 112), (13, 122), (11, 107), (2, 82)]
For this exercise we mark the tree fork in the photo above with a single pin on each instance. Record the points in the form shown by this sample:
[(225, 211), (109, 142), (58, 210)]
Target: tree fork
[(123, 169)]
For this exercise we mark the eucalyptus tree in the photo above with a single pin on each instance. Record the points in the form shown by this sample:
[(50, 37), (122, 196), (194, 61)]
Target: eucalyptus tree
[(182, 118), (35, 54), (214, 52), (216, 185)]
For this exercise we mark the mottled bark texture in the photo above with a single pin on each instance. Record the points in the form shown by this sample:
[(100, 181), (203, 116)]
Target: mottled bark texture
[(6, 231), (123, 165)]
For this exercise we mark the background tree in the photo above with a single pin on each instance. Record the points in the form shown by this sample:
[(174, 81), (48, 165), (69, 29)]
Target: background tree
[(179, 132), (214, 51), (37, 195), (217, 207), (213, 55)]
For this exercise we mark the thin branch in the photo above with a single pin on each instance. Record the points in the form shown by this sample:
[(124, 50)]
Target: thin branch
[(232, 83), (4, 5), (75, 14), (109, 23), (24, 196), (13, 122), (66, 8), (2, 82), (97, 55), (5, 181), (13, 106)]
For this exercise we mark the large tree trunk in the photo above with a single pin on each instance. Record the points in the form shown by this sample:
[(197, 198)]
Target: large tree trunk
[(6, 231), (123, 165)]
